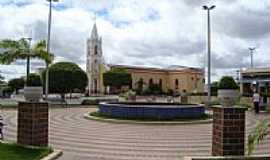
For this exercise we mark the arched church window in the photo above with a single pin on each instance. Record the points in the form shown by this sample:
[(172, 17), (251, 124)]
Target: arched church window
[(96, 49)]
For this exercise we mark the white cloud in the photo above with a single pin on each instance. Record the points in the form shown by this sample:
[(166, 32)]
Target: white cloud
[(152, 32)]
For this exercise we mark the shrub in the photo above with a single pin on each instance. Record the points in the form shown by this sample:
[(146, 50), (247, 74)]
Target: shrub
[(90, 102), (7, 91), (153, 89), (16, 84), (128, 94), (170, 92), (34, 80), (227, 82)]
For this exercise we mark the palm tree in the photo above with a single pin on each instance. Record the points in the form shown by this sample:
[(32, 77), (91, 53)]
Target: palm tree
[(13, 50)]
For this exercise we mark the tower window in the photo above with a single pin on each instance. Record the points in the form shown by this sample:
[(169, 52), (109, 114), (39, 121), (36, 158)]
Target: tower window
[(96, 49)]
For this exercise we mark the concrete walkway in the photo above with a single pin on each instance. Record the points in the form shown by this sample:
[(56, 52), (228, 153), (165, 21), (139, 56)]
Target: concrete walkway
[(82, 139)]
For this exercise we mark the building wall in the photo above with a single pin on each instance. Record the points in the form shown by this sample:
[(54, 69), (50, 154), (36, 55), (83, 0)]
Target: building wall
[(146, 76), (188, 81), (255, 79)]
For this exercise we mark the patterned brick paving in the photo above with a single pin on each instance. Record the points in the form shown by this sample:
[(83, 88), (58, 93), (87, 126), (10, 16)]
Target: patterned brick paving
[(82, 139)]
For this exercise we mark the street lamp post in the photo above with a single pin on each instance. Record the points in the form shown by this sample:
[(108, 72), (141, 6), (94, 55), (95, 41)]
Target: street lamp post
[(48, 47), (209, 51), (28, 60)]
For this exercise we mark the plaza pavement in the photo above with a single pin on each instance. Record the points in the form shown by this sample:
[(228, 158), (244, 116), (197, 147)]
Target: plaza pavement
[(82, 139)]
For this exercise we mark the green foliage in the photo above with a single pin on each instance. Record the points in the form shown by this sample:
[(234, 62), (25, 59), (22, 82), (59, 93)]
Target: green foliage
[(7, 90), (19, 152), (258, 135), (128, 94), (90, 102), (244, 102), (139, 86), (13, 50), (170, 92), (65, 77), (16, 84), (153, 89), (34, 80), (117, 77), (214, 88), (227, 82)]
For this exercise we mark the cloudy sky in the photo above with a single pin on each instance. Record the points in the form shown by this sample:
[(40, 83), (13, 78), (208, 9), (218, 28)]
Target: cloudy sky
[(144, 32)]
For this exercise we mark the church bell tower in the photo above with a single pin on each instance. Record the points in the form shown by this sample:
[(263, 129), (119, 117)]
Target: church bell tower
[(94, 62)]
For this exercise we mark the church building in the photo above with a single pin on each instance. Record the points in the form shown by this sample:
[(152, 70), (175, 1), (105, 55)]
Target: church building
[(175, 78)]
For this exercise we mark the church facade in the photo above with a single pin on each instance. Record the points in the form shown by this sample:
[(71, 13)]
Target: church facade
[(174, 79)]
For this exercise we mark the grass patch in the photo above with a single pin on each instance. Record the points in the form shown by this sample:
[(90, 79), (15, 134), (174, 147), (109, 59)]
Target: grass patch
[(100, 115), (18, 152), (5, 104)]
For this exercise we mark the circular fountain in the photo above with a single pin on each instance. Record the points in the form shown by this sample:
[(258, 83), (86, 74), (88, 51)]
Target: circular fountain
[(152, 111)]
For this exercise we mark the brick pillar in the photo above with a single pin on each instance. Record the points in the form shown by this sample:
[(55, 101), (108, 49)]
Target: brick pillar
[(228, 131), (33, 123)]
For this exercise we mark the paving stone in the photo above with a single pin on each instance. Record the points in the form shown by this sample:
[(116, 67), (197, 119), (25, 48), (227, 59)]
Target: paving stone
[(82, 139)]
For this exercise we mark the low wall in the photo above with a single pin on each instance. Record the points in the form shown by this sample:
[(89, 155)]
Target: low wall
[(200, 99), (157, 111)]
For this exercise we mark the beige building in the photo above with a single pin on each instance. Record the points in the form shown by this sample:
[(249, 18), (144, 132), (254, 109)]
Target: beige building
[(175, 79)]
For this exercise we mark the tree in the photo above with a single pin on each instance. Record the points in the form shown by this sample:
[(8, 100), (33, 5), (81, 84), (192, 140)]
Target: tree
[(16, 84), (227, 82), (117, 77), (214, 88), (21, 49), (65, 77)]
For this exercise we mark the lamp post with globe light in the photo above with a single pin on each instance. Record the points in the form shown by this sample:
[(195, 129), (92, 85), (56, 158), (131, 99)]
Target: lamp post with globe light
[(208, 9), (48, 46)]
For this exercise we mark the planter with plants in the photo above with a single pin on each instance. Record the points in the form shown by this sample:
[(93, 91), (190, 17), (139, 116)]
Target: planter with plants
[(227, 91), (33, 91), (129, 96), (12, 50)]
